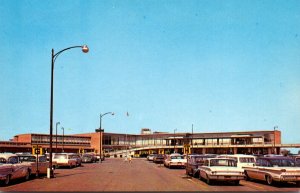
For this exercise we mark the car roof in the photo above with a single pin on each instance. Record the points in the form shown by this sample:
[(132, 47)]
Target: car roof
[(276, 157), (237, 155), (7, 155), (223, 158)]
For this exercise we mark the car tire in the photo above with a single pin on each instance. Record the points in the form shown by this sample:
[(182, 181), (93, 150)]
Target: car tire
[(27, 176), (247, 178), (196, 174), (208, 181), (298, 184), (269, 180), (7, 180)]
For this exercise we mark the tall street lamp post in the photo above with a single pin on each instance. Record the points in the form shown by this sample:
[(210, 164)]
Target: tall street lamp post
[(274, 149), (100, 130), (63, 139), (57, 123), (174, 140), (85, 49)]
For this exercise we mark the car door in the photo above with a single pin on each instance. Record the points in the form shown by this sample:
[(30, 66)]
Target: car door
[(43, 164), (17, 168)]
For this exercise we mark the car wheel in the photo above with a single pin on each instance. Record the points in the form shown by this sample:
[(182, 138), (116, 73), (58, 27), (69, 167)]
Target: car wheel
[(298, 184), (196, 174), (269, 180), (247, 178), (208, 181), (7, 180), (27, 176)]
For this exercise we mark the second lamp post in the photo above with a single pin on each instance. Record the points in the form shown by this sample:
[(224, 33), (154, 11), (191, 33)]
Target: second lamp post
[(100, 130)]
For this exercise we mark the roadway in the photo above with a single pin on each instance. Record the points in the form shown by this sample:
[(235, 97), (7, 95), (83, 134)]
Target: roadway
[(115, 174)]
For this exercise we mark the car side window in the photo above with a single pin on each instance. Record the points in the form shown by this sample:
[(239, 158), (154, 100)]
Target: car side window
[(2, 160), (258, 162), (12, 160), (266, 163)]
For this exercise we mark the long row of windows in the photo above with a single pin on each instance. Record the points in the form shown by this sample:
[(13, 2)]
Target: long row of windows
[(143, 141), (61, 139)]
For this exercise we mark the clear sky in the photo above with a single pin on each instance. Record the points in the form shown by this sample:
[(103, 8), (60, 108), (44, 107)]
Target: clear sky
[(219, 65)]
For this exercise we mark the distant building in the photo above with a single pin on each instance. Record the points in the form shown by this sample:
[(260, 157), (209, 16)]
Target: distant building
[(145, 131), (245, 142)]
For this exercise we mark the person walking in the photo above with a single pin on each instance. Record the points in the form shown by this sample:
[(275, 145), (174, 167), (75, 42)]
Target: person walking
[(130, 158)]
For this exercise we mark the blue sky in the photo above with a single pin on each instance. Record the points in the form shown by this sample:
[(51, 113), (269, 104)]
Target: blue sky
[(220, 65)]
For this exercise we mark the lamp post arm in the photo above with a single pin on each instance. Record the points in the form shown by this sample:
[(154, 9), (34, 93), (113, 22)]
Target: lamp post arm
[(101, 115), (55, 55)]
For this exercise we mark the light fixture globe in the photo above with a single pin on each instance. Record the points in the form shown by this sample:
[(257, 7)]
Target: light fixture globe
[(85, 49)]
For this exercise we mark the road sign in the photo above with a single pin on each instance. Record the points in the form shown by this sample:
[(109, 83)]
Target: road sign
[(37, 150)]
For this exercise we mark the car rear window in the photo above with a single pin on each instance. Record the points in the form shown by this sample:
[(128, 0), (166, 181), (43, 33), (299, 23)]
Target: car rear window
[(60, 156), (176, 157), (247, 160)]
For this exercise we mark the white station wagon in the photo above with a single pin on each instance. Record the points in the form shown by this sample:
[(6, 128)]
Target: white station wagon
[(241, 159), (221, 169), (64, 159), (11, 168)]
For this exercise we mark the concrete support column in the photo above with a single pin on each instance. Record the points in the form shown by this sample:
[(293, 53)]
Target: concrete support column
[(235, 150), (270, 150), (203, 150)]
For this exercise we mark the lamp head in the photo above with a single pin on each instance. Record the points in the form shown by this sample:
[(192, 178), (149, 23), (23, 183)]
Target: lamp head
[(85, 48)]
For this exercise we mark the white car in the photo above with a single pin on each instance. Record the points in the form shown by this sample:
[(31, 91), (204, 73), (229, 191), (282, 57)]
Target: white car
[(274, 169), (221, 169), (241, 159), (11, 168), (175, 160), (150, 157), (64, 159)]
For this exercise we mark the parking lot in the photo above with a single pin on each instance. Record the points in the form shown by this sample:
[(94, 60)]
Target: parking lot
[(115, 174)]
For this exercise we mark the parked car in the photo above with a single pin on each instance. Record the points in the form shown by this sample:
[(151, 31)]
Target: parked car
[(175, 160), (241, 159), (41, 165), (64, 159), (296, 159), (88, 158), (221, 169), (150, 157), (194, 161), (11, 168), (77, 157), (159, 158), (274, 169)]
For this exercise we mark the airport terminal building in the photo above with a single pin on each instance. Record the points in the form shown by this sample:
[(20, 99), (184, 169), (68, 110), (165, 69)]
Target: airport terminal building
[(245, 142)]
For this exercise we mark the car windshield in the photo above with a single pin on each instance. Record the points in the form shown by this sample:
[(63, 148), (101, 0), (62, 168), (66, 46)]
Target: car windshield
[(27, 158), (87, 156), (247, 160), (60, 156), (177, 157), (282, 163), (223, 162)]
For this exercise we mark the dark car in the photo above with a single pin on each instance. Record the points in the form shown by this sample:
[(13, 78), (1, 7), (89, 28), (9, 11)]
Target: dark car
[(194, 161), (88, 158), (159, 158)]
